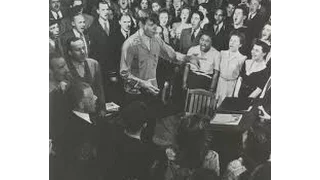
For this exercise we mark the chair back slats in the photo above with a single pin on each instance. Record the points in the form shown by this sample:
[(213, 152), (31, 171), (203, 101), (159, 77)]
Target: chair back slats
[(199, 101)]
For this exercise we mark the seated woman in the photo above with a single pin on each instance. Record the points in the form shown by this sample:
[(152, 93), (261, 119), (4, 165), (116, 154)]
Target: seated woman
[(191, 158), (254, 73), (230, 66), (204, 69)]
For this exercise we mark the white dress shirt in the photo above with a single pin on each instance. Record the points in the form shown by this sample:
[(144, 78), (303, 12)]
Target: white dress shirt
[(55, 14), (84, 116)]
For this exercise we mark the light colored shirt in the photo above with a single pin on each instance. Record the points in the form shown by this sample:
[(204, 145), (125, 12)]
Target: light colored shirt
[(81, 36), (209, 60), (195, 33), (124, 33), (104, 24), (55, 14), (84, 116), (139, 60), (231, 64)]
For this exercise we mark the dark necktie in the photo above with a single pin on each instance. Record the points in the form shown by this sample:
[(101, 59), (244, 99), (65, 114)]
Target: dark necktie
[(58, 16), (192, 35)]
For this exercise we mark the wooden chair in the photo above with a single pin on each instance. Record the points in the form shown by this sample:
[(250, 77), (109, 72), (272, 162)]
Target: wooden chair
[(200, 101)]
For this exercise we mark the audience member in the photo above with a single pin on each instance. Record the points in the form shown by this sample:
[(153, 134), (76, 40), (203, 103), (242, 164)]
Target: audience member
[(256, 19), (78, 27), (78, 143), (191, 36), (230, 10), (254, 74), (156, 6), (204, 73), (219, 30), (55, 12), (231, 64), (134, 157), (85, 69), (76, 8), (184, 23), (177, 5), (164, 25), (205, 10), (55, 44)]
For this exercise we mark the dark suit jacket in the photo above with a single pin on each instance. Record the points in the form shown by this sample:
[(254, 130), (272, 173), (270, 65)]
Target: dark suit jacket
[(101, 45), (255, 25), (185, 40), (78, 147), (69, 34), (220, 41)]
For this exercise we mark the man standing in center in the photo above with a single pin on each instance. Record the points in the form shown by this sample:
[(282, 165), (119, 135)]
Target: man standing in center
[(139, 60)]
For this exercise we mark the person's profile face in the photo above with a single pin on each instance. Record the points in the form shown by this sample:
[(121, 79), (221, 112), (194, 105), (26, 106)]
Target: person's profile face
[(205, 43), (103, 11), (60, 68), (218, 16), (79, 23), (230, 10), (163, 18), (238, 17), (55, 5), (125, 23), (144, 4), (257, 52), (78, 51), (155, 7), (123, 4), (195, 21), (89, 101), (150, 28), (184, 15), (234, 43), (54, 30)]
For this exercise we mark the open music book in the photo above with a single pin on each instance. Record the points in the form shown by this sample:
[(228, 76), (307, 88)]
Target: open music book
[(226, 119)]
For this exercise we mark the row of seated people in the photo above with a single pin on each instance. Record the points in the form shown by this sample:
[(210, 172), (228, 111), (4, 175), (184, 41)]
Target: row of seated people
[(103, 37)]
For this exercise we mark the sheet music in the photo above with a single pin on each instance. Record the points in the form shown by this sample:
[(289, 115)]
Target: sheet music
[(226, 119)]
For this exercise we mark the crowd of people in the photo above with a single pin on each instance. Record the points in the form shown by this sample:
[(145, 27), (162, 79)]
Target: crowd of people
[(143, 55)]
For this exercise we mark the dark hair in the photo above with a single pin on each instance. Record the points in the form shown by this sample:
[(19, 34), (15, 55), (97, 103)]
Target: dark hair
[(70, 40), (102, 2), (153, 17), (52, 22), (224, 12), (76, 92), (134, 116), (139, 4), (244, 9), (267, 23), (53, 55), (205, 6), (265, 46), (189, 9), (74, 15), (164, 10), (207, 33), (192, 140), (241, 36), (200, 14)]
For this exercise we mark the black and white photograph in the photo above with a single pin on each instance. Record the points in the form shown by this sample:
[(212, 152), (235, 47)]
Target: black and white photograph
[(159, 89)]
